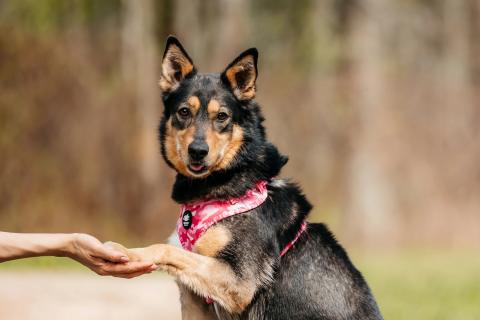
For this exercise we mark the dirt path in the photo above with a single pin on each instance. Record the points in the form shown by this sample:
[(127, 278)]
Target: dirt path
[(72, 296)]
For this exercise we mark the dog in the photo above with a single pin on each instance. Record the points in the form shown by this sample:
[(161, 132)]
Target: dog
[(248, 252)]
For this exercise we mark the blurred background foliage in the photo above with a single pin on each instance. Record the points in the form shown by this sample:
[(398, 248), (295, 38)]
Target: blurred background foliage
[(376, 103)]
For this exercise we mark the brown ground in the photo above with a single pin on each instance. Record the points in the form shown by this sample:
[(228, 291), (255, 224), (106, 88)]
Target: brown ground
[(72, 296)]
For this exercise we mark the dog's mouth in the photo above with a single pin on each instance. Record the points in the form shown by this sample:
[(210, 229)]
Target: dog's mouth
[(197, 168)]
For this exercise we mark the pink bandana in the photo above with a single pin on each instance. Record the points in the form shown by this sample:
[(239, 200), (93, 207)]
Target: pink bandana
[(197, 217)]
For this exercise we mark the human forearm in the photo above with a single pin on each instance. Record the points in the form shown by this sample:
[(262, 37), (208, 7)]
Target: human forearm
[(81, 247), (23, 245)]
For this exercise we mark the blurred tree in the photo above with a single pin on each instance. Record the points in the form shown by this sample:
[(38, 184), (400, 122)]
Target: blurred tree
[(375, 102), (140, 68), (371, 208)]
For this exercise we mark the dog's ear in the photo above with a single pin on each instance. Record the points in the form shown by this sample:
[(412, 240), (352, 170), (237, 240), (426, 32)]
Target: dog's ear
[(241, 74), (176, 65)]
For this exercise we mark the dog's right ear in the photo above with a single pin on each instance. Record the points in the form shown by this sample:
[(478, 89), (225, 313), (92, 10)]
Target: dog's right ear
[(176, 65)]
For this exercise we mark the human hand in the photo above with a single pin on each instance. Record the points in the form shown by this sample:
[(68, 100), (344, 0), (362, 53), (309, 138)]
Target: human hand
[(154, 252), (105, 260)]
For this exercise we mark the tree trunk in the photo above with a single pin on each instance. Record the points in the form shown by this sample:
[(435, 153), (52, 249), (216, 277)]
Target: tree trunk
[(371, 208), (140, 68)]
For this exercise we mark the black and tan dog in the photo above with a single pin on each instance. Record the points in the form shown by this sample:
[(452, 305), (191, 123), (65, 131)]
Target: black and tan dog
[(212, 134)]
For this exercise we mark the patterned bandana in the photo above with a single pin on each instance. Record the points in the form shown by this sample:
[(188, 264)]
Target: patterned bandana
[(197, 217)]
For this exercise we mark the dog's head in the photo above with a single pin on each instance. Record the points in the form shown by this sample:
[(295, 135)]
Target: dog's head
[(203, 127)]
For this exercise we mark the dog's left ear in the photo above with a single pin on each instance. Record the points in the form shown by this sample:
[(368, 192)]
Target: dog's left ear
[(241, 74), (176, 65)]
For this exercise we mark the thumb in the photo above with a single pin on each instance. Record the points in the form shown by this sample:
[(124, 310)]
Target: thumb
[(107, 252)]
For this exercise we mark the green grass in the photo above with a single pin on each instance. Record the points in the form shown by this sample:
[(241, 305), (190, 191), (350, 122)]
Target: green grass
[(408, 285), (433, 286), (42, 264)]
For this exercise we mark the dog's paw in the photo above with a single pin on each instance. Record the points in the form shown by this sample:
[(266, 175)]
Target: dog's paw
[(129, 252), (155, 253)]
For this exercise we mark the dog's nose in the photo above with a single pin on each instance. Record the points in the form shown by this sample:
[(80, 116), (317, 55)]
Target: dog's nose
[(198, 150)]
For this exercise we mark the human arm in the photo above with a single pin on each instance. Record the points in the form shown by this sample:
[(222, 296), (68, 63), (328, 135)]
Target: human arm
[(83, 248)]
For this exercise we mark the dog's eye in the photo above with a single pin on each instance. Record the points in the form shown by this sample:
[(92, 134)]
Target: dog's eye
[(184, 112), (222, 116)]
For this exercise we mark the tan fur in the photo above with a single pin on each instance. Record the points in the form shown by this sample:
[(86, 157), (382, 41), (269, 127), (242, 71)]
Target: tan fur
[(194, 104), (176, 144), (185, 137), (248, 90), (205, 276), (174, 58), (213, 107), (231, 149), (213, 241), (222, 146), (194, 306)]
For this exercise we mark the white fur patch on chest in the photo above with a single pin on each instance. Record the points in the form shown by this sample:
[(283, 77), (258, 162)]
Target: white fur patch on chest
[(278, 183), (174, 240)]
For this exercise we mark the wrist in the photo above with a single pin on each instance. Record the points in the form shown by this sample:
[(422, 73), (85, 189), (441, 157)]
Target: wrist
[(66, 247)]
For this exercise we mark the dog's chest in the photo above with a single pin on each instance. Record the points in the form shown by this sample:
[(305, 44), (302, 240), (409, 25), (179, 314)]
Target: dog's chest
[(213, 241), (210, 243)]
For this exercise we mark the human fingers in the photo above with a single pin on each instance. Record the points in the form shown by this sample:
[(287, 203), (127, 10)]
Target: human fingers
[(131, 275), (110, 254), (128, 268)]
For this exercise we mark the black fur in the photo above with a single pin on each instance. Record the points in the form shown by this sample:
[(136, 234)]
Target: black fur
[(315, 279)]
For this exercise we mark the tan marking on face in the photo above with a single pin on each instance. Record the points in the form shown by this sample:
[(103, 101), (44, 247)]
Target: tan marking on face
[(222, 146), (174, 61), (230, 147), (194, 103), (217, 144), (176, 146), (213, 106), (213, 241)]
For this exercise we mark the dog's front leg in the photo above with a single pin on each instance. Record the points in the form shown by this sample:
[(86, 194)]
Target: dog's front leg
[(205, 276), (194, 307)]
